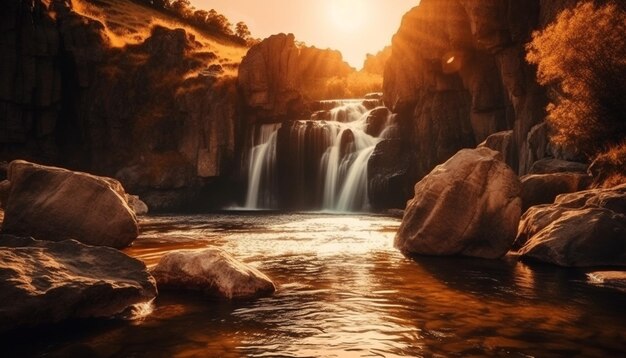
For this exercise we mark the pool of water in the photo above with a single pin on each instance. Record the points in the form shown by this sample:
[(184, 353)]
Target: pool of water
[(344, 291)]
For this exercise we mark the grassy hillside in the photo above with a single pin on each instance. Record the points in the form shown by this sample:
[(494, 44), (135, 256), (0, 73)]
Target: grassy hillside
[(128, 22)]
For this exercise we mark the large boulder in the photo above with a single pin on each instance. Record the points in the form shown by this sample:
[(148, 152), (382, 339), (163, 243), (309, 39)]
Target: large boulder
[(45, 282), (543, 188), (586, 228), (213, 272), (470, 206), (56, 204)]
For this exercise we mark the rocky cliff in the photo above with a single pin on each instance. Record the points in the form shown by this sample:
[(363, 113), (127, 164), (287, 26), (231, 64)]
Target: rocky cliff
[(457, 74), (277, 77), (156, 114)]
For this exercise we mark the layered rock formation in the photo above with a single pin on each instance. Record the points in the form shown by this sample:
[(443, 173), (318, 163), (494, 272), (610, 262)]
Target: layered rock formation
[(457, 74), (55, 204), (586, 228), (212, 272), (468, 206), (45, 282), (147, 113)]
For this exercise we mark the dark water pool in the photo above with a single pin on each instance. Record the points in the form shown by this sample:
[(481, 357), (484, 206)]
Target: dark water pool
[(344, 291)]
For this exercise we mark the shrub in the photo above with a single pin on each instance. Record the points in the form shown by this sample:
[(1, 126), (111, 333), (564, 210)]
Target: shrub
[(582, 58)]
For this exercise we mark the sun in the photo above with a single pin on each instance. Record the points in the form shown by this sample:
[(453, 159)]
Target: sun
[(349, 15)]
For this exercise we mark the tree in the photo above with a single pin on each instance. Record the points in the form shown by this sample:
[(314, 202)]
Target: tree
[(582, 58), (242, 31), (181, 7)]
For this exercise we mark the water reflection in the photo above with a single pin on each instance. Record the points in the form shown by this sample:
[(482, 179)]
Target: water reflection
[(345, 291)]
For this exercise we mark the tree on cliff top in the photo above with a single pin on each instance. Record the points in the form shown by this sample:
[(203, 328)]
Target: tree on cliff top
[(582, 57)]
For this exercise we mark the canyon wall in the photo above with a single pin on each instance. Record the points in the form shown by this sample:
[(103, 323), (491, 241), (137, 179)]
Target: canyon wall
[(457, 74), (150, 114)]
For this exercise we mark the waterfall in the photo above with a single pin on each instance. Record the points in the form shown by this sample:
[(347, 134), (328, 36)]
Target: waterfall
[(315, 164)]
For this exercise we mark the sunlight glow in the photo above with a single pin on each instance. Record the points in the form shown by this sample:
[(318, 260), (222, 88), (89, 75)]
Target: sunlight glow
[(349, 15)]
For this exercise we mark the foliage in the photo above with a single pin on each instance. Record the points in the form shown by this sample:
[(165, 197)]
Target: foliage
[(210, 21), (609, 168), (354, 85), (582, 58), (376, 63)]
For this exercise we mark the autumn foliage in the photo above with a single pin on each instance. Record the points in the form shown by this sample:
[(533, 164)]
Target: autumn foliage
[(581, 57)]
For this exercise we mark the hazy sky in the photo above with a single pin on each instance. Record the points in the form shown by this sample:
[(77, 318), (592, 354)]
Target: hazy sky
[(355, 27)]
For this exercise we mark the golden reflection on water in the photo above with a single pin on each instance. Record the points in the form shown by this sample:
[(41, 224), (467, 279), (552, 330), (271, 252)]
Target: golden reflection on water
[(344, 291)]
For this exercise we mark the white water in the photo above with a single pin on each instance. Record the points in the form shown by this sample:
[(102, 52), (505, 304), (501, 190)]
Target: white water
[(341, 181)]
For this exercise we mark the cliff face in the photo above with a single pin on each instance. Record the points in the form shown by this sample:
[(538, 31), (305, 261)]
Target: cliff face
[(457, 74), (152, 114), (276, 77)]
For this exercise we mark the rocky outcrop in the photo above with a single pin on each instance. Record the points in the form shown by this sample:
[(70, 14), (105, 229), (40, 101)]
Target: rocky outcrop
[(213, 272), (55, 204), (276, 77), (136, 205), (46, 282), (544, 188), (457, 74), (586, 228), (390, 174), (469, 206), (552, 165), (154, 114)]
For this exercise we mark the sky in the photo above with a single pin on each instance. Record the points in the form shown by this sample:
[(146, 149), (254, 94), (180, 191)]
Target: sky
[(354, 27)]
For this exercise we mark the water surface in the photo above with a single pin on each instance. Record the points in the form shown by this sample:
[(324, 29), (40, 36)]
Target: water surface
[(344, 291)]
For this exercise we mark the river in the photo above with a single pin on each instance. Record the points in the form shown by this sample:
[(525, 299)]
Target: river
[(344, 291)]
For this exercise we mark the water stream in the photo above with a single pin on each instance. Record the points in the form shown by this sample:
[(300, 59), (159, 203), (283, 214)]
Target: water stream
[(316, 164), (344, 291)]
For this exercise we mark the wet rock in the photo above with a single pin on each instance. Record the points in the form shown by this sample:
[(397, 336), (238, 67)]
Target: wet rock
[(376, 121), (213, 272), (544, 188), (390, 175), (586, 228), (56, 204), (136, 204), (469, 206), (551, 165), (45, 282)]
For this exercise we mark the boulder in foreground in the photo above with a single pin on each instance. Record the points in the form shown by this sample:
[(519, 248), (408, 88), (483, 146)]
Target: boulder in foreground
[(469, 206), (582, 229), (213, 272), (46, 282), (56, 204)]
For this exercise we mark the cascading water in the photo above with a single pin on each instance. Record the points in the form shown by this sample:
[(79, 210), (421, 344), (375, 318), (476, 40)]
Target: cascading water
[(319, 163)]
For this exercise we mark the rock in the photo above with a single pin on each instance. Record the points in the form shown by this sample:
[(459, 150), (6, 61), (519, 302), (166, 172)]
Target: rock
[(390, 175), (46, 282), (213, 272), (277, 77), (551, 165), (376, 121), (500, 142), (468, 206), (138, 206), (268, 75), (580, 229), (543, 188), (56, 204), (5, 186), (610, 279)]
